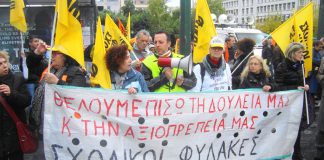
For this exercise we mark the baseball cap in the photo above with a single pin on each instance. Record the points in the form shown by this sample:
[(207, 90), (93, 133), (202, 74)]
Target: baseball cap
[(216, 42)]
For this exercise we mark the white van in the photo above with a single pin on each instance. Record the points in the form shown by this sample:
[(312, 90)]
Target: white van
[(240, 33)]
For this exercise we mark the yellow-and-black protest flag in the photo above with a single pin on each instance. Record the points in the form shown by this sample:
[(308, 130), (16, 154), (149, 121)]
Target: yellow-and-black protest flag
[(204, 31), (17, 15), (100, 74), (113, 35), (68, 34), (298, 28)]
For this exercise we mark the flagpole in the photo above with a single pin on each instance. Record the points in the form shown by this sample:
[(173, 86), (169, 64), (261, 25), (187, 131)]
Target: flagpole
[(22, 44), (52, 42), (306, 101)]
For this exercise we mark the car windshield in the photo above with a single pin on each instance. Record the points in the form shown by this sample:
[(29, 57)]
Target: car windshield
[(258, 37)]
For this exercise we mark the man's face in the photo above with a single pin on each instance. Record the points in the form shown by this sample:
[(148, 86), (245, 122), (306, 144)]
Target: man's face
[(4, 69), (34, 43), (231, 42), (161, 43), (142, 42)]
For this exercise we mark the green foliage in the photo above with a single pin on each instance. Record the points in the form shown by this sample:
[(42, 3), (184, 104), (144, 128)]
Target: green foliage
[(215, 6), (129, 7), (270, 24), (156, 17)]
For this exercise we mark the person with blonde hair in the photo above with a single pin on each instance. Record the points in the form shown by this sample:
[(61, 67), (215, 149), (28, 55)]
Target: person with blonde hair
[(289, 75), (256, 74), (14, 91)]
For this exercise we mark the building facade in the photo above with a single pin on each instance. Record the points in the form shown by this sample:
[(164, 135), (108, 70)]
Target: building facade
[(245, 11), (112, 5)]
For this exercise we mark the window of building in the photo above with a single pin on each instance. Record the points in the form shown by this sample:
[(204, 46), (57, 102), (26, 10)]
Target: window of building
[(247, 11), (280, 7), (288, 6), (284, 6), (242, 11), (276, 7), (293, 4), (251, 10), (272, 8)]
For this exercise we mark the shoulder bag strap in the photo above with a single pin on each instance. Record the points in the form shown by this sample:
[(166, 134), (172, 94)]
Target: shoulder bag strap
[(8, 108)]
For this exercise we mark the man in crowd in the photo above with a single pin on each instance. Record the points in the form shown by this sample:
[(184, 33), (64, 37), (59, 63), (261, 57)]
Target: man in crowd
[(165, 79), (229, 48), (140, 48)]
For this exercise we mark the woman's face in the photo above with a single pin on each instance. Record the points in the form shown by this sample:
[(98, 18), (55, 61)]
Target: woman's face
[(255, 66), (58, 60), (126, 65), (298, 55)]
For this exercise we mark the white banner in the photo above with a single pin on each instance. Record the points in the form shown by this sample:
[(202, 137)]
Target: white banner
[(96, 124)]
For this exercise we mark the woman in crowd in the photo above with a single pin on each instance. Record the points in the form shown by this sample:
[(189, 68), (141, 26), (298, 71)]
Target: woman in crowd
[(213, 74), (244, 49), (64, 71), (289, 75), (256, 74), (122, 76), (14, 91)]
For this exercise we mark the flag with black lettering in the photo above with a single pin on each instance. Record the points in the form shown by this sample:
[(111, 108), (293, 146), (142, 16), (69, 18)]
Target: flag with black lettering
[(113, 35), (17, 15), (204, 31), (100, 74), (68, 33), (298, 28)]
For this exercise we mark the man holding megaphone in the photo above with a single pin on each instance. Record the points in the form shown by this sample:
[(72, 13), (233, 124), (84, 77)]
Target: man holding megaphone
[(165, 79)]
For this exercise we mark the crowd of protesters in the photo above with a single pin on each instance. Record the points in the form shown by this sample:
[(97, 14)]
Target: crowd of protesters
[(230, 64)]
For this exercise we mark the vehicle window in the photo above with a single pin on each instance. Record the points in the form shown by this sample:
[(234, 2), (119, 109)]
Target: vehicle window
[(258, 37)]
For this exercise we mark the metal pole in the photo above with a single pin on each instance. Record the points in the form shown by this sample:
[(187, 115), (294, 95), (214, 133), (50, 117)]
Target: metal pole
[(320, 32), (185, 27)]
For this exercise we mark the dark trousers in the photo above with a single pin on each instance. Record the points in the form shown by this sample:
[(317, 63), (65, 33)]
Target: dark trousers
[(13, 156)]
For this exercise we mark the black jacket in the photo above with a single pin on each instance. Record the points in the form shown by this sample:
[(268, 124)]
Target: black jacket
[(289, 75), (18, 100), (36, 65), (237, 64), (73, 76), (258, 81)]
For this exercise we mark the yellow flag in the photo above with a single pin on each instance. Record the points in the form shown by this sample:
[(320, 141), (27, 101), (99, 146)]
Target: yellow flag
[(128, 28), (204, 31), (100, 74), (298, 28), (113, 35), (68, 29), (304, 33), (17, 15)]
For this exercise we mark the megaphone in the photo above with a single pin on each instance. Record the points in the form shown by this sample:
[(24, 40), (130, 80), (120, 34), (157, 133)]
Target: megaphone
[(182, 63)]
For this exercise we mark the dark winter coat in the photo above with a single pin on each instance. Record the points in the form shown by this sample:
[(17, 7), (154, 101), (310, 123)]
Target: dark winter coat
[(237, 73), (258, 81), (18, 100), (289, 75), (36, 65)]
